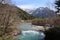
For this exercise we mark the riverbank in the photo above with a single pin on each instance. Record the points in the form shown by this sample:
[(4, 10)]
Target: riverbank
[(29, 26), (42, 28)]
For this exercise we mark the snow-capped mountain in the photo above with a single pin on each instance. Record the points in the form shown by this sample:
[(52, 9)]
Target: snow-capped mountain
[(29, 11), (42, 12)]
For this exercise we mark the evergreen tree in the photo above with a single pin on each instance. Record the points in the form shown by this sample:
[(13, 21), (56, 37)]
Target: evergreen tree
[(57, 5)]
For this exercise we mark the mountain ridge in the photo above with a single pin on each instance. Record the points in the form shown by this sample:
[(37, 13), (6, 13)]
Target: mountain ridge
[(42, 12)]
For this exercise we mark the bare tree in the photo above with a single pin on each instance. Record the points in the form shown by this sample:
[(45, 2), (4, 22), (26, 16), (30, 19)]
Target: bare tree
[(50, 5), (8, 19)]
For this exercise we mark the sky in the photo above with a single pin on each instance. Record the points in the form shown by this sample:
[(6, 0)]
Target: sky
[(31, 4)]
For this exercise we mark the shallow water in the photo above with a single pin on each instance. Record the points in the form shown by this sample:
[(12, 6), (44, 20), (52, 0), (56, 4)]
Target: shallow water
[(28, 34), (31, 35)]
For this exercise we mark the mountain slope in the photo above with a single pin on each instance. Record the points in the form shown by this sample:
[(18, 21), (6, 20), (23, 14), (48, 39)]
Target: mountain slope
[(9, 17), (29, 10), (42, 12), (14, 9), (8, 20), (24, 15)]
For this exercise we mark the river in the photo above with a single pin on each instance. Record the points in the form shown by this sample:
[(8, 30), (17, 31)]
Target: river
[(28, 34)]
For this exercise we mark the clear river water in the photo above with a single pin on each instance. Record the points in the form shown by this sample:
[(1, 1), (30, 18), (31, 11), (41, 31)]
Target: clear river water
[(28, 34)]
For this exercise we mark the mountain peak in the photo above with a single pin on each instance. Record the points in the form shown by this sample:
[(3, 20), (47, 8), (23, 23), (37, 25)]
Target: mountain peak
[(42, 12)]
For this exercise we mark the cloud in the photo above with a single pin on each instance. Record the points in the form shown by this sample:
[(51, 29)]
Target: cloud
[(17, 0), (29, 6)]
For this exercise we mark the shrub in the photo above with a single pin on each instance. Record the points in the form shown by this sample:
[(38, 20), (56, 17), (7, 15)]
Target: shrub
[(40, 22), (53, 34)]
